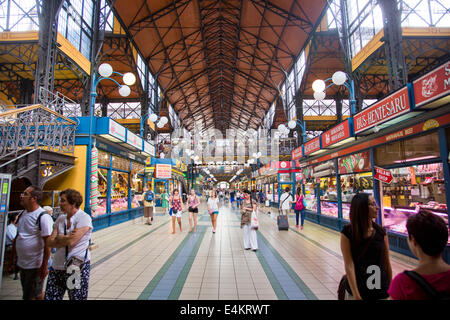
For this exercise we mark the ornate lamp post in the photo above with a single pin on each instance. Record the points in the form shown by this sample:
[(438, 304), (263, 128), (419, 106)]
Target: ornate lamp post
[(104, 72)]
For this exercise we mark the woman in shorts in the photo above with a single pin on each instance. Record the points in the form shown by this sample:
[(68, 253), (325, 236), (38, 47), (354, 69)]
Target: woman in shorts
[(193, 202), (176, 206), (213, 209)]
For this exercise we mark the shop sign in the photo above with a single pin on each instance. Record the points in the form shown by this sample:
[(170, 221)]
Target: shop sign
[(383, 175), (336, 134), (433, 85), (312, 145), (117, 130), (284, 164), (149, 148), (386, 109), (134, 140), (358, 162), (163, 171), (297, 153)]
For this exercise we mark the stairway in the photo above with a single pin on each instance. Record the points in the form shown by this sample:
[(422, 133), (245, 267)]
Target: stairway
[(36, 143)]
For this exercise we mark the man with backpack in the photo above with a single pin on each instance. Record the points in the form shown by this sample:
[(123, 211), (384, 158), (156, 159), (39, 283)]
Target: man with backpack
[(33, 229), (148, 205)]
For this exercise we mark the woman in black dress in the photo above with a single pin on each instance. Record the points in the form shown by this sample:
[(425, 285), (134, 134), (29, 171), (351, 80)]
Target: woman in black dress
[(365, 249)]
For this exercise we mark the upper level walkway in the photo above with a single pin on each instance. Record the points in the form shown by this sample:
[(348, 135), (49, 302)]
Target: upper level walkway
[(136, 261)]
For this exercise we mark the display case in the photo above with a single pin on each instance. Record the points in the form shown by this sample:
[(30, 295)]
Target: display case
[(413, 188), (328, 197), (119, 191), (310, 196), (103, 193)]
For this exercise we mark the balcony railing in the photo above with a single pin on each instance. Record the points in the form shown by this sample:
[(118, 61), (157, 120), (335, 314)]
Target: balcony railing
[(36, 127)]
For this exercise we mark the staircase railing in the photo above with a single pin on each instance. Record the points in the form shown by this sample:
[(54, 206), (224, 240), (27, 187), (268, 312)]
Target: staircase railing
[(36, 127)]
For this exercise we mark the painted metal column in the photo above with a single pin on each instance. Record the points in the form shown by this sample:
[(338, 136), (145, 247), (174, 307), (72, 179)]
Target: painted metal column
[(129, 185), (319, 210), (443, 143), (376, 186), (339, 196), (109, 193)]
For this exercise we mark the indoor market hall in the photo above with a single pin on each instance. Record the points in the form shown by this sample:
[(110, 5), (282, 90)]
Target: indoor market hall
[(309, 140), (135, 261)]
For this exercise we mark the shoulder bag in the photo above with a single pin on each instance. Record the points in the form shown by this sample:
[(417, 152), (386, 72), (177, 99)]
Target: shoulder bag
[(426, 286)]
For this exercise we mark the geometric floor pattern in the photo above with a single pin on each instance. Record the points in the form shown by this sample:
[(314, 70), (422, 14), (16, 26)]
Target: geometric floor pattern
[(134, 261)]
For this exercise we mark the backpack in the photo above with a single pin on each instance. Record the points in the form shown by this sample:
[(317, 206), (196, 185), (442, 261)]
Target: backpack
[(149, 196), (299, 204), (426, 287), (38, 220)]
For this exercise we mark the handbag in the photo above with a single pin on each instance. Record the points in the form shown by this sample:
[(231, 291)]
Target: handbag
[(343, 283), (74, 260), (254, 220)]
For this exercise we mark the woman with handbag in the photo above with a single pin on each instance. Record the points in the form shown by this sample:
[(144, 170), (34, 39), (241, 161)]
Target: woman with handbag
[(365, 249), (71, 235), (247, 208), (299, 207), (213, 209), (176, 209)]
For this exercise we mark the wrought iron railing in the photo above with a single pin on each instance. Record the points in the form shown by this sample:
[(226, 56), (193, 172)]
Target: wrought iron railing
[(59, 103), (36, 127)]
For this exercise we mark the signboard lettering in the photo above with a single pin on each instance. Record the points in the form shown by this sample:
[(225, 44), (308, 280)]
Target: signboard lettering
[(433, 85), (336, 134), (386, 109), (312, 145)]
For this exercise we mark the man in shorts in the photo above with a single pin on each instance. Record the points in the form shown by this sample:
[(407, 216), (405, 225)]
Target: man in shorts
[(33, 229), (148, 205)]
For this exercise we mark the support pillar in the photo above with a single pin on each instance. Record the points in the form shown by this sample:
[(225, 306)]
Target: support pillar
[(45, 66), (394, 51)]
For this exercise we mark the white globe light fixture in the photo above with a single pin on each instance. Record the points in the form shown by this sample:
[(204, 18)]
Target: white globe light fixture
[(164, 120), (339, 78), (124, 91), (160, 125), (318, 85), (292, 124), (105, 70), (319, 95), (259, 154), (129, 79), (282, 128), (153, 117)]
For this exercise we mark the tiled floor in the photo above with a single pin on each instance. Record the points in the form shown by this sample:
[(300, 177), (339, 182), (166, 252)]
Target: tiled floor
[(136, 261)]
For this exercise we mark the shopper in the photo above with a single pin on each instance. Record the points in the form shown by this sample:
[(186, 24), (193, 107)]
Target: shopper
[(232, 197), (149, 197), (249, 234), (213, 209), (365, 249), (70, 237), (427, 239), (49, 210), (285, 203), (165, 201), (238, 198), (11, 234), (176, 206), (193, 202), (33, 229), (299, 207)]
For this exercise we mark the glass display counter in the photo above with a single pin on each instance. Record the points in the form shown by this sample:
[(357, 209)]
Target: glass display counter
[(413, 188)]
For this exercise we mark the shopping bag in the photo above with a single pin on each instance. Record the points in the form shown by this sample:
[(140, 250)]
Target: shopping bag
[(254, 220)]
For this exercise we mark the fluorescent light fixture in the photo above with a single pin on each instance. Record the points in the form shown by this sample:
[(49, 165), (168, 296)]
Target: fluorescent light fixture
[(416, 159)]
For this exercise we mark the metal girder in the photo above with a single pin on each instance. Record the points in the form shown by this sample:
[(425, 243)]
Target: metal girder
[(45, 67)]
